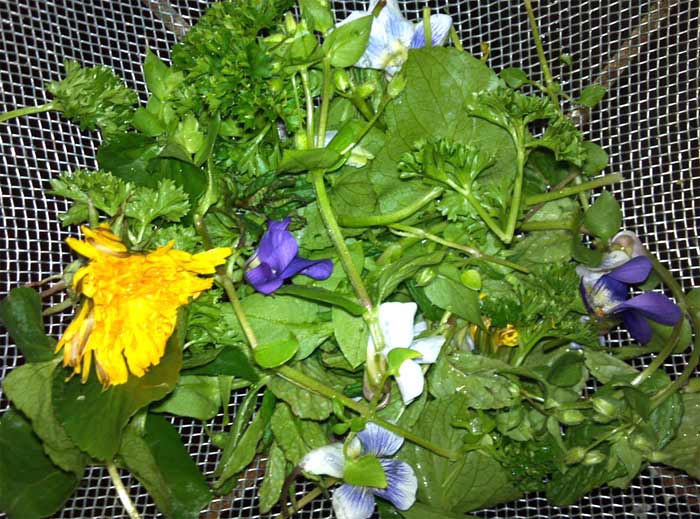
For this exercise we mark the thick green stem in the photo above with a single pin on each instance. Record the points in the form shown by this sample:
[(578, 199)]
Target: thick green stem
[(565, 182), (389, 218), (518, 138), (121, 492), (427, 29), (540, 53), (372, 121), (325, 102), (300, 379), (573, 190), (309, 109), (475, 253), (336, 236), (547, 226), (28, 110)]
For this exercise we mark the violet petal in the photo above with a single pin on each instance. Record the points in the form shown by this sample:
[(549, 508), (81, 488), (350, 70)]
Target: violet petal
[(317, 269), (439, 29), (638, 327), (632, 272), (278, 246), (654, 306), (264, 279)]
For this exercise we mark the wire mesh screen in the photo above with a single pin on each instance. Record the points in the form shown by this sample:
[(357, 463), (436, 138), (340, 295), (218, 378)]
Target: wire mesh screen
[(647, 52)]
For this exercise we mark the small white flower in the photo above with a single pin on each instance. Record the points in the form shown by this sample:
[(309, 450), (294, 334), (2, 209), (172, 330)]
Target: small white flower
[(392, 35), (396, 323)]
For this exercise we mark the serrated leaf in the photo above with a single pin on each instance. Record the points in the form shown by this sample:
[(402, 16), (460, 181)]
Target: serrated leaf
[(106, 192), (160, 461), (592, 95), (31, 487), (20, 313), (167, 201), (296, 437), (596, 159), (514, 77), (29, 389), (94, 418), (604, 217), (275, 472)]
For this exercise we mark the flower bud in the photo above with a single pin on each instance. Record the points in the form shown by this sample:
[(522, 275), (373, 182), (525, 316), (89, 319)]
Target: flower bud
[(607, 406), (642, 442), (571, 417), (341, 79), (365, 90), (575, 455), (300, 141), (593, 458), (425, 276)]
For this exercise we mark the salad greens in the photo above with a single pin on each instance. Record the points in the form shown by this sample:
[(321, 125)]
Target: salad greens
[(411, 284)]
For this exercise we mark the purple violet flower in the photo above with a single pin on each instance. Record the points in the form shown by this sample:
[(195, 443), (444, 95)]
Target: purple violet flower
[(357, 502), (276, 259), (606, 294)]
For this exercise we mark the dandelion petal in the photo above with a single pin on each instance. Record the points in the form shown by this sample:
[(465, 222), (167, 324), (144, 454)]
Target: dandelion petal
[(378, 441), (351, 502), (401, 484)]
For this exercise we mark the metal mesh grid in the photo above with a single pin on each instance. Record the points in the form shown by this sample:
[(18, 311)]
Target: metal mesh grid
[(647, 51)]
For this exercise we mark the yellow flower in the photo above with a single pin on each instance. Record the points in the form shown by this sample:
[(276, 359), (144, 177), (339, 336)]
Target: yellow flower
[(507, 336), (131, 304)]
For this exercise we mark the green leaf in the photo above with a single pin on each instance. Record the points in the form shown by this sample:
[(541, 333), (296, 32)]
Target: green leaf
[(474, 481), (94, 418), (299, 161), (592, 95), (160, 79), (605, 367), (364, 471), (639, 402), (566, 370), (394, 273), (565, 488), (596, 159), (514, 77), (230, 361), (683, 451), (31, 486), (351, 333), (275, 317), (630, 458), (127, 157), (422, 511), (346, 44), (296, 437), (455, 297), (29, 389), (104, 191), (147, 123), (471, 376), (275, 353), (275, 472), (20, 313), (193, 396), (322, 295), (162, 464), (168, 201), (245, 449), (398, 356), (317, 14), (604, 217)]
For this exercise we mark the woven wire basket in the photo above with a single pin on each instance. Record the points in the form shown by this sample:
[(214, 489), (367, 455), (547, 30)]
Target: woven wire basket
[(646, 52)]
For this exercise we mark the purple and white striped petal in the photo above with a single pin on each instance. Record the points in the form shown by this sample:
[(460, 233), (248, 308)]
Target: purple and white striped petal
[(654, 306), (440, 25), (351, 502), (401, 484), (378, 441), (328, 460)]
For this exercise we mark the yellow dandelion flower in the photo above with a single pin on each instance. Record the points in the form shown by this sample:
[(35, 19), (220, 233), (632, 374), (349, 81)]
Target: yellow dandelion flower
[(131, 304), (507, 336)]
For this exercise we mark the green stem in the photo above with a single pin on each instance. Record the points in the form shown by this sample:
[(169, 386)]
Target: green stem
[(309, 109), (121, 492), (300, 379), (427, 29), (454, 37), (573, 190), (317, 491), (372, 121), (325, 102), (475, 253), (518, 138), (547, 226), (486, 217), (336, 236), (390, 218), (27, 110), (540, 53), (565, 182)]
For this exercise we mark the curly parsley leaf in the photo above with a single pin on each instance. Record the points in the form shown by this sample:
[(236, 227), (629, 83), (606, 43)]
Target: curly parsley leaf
[(95, 98), (168, 201)]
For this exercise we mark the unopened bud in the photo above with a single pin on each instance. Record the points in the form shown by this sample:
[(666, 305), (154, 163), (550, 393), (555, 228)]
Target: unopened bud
[(575, 455), (425, 276), (607, 406), (571, 417), (642, 442), (593, 458), (365, 90), (341, 80)]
